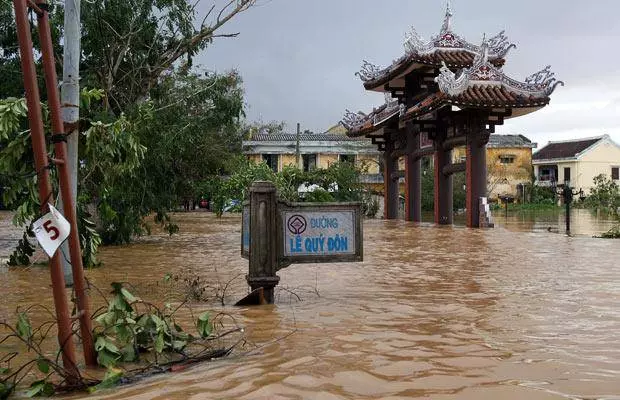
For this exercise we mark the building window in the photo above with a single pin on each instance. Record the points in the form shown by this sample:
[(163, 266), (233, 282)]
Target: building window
[(507, 159), (567, 174), (615, 173), (272, 161), (309, 162), (347, 158), (548, 173)]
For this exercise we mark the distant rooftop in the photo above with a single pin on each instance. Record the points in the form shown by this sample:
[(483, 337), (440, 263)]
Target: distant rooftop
[(304, 137), (510, 141), (565, 149)]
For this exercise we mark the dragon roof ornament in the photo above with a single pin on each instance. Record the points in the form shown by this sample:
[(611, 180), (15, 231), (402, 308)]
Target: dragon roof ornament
[(352, 120), (483, 72), (369, 71), (499, 45)]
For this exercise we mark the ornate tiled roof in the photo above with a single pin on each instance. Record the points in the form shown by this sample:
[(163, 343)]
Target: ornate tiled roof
[(446, 48), (486, 86), (358, 124)]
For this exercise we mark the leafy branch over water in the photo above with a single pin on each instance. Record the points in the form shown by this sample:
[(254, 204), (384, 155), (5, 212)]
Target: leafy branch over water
[(133, 338)]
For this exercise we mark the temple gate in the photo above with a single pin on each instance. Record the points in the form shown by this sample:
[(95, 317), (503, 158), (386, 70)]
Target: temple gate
[(440, 95)]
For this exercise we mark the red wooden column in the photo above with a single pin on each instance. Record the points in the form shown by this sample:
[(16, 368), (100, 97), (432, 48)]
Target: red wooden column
[(444, 214), (413, 177), (390, 167), (476, 175)]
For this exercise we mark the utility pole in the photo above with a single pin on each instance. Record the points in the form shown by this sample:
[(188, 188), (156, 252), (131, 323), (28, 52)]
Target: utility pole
[(297, 151), (60, 148), (70, 101), (35, 122)]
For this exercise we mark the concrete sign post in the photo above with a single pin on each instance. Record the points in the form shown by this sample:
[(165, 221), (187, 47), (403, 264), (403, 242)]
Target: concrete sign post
[(263, 230), (276, 234)]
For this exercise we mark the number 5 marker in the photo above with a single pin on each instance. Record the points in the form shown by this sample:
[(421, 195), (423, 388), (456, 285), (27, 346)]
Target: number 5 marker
[(51, 230)]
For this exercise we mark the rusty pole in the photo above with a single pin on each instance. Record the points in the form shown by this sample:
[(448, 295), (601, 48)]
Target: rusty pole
[(60, 146), (45, 190)]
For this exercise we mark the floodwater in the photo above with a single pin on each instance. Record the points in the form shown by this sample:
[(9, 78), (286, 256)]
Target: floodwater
[(439, 313)]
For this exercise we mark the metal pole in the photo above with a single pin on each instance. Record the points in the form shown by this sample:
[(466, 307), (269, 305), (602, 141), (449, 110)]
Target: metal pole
[(297, 149), (45, 190), (60, 148), (70, 98), (567, 216)]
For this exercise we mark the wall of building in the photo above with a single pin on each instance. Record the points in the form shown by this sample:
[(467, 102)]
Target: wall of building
[(287, 160), (255, 158), (598, 160), (503, 179), (325, 160), (368, 161)]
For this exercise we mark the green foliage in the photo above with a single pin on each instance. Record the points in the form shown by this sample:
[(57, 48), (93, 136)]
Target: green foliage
[(110, 380), (24, 250), (137, 156), (428, 190), (605, 195), (319, 196), (23, 327), (204, 325), (41, 388), (542, 195), (339, 182), (124, 333)]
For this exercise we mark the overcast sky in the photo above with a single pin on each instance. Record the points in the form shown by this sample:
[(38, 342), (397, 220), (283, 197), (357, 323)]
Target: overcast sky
[(298, 57)]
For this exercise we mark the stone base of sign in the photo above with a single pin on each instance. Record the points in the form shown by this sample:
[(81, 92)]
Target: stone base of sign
[(266, 283), (255, 298)]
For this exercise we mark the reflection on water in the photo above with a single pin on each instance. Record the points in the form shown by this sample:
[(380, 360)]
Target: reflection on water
[(441, 313)]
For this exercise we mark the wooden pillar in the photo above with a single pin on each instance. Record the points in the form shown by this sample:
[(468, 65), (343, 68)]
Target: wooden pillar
[(413, 178), (390, 209), (263, 236), (444, 213), (476, 173)]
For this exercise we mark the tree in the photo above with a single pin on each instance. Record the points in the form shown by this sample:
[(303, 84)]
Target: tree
[(129, 45), (161, 128)]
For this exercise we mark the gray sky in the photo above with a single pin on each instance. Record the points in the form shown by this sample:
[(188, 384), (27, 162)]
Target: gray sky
[(298, 57)]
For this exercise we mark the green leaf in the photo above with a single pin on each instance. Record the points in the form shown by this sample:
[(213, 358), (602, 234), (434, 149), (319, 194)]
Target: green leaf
[(204, 325), (128, 296), (129, 353), (159, 342), (43, 365), (100, 343), (106, 358), (24, 329), (111, 379), (40, 388), (4, 371), (179, 345)]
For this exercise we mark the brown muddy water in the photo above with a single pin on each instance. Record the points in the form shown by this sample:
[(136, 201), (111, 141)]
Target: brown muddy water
[(515, 312)]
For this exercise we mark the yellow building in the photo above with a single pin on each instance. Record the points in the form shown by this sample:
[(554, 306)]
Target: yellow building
[(315, 150), (577, 162), (509, 164)]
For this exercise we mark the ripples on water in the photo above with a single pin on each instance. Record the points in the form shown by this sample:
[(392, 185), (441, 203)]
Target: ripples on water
[(441, 313)]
